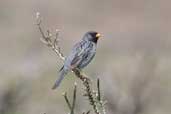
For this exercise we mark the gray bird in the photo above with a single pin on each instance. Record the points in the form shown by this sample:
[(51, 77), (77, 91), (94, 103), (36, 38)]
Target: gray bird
[(81, 55)]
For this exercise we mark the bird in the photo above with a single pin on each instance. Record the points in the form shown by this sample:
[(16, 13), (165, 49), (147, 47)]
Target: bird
[(80, 56)]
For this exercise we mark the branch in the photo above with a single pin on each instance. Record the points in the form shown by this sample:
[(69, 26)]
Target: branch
[(88, 112), (98, 88), (48, 40), (67, 101), (88, 90), (71, 107), (74, 98), (99, 102)]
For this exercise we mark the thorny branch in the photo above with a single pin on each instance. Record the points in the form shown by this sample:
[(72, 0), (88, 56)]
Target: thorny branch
[(89, 93), (52, 41)]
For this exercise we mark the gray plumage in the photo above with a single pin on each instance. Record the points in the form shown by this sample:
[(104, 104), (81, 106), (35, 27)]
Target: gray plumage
[(81, 55)]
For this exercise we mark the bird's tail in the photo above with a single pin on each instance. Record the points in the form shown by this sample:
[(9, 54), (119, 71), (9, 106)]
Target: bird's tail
[(61, 77)]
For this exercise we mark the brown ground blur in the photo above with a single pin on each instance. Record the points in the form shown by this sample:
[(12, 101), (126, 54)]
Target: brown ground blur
[(133, 56)]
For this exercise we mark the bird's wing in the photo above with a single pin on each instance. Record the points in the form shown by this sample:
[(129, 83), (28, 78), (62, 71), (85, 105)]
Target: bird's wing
[(88, 55), (77, 53)]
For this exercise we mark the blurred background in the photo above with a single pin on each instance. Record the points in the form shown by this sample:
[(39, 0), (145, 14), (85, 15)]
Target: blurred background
[(133, 59)]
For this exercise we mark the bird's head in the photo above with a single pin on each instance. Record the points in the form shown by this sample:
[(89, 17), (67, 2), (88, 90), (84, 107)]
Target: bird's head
[(92, 36)]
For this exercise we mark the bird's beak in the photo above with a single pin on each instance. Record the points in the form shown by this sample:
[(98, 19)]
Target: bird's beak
[(98, 35)]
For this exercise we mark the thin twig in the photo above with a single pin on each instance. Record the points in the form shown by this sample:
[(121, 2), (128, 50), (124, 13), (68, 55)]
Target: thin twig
[(98, 88), (88, 112), (74, 99), (71, 107), (67, 101)]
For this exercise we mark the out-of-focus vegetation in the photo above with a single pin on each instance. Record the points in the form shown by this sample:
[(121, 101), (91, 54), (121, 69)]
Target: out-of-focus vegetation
[(133, 56)]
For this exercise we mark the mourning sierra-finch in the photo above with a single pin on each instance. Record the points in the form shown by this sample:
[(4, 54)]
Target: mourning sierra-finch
[(81, 55)]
